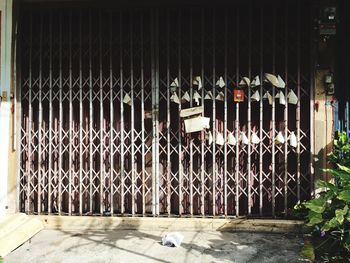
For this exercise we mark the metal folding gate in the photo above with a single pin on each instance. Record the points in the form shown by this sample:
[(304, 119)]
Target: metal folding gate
[(100, 133)]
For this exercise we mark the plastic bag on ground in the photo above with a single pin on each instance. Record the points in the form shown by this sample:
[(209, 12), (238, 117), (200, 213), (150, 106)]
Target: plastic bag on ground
[(172, 239)]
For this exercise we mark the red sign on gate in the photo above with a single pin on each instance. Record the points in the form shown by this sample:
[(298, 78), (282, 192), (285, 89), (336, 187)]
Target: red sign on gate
[(238, 95)]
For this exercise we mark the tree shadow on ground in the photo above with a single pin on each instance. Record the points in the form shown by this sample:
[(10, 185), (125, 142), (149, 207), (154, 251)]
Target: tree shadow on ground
[(213, 246)]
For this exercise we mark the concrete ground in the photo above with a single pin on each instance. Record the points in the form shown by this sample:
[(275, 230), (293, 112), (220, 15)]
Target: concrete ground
[(144, 246)]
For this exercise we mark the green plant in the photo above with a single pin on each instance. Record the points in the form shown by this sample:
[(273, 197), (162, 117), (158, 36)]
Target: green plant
[(341, 150), (329, 212)]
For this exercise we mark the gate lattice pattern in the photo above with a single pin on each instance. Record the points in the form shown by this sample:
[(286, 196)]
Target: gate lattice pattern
[(84, 151)]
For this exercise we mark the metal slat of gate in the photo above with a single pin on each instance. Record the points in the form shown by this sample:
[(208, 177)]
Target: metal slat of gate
[(101, 135)]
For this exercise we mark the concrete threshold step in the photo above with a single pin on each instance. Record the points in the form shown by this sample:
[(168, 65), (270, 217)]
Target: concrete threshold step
[(97, 223), (15, 229)]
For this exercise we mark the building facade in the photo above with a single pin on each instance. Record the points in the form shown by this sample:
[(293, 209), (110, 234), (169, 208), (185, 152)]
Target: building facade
[(96, 121)]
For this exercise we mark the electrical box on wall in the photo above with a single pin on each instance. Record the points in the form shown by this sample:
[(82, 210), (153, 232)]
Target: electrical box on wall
[(329, 84), (328, 20)]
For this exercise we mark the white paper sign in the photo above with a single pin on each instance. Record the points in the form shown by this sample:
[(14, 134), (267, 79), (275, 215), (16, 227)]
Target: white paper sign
[(196, 97), (175, 83), (280, 138), (186, 97), (127, 99), (272, 79), (244, 138), (282, 98), (231, 140), (219, 139), (245, 82), (196, 124), (220, 96), (209, 137), (256, 96), (281, 83), (220, 82), (209, 95), (255, 139), (292, 97), (255, 82), (197, 81), (268, 96), (293, 140), (174, 98), (191, 111)]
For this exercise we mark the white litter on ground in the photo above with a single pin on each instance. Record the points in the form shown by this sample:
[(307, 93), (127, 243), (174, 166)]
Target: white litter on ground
[(173, 239)]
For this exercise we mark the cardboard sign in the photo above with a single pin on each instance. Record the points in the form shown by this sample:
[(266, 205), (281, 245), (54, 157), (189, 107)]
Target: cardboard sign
[(196, 124), (191, 111)]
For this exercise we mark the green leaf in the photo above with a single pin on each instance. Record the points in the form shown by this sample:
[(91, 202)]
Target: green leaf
[(327, 185), (314, 218), (317, 205), (343, 138), (344, 195), (330, 195), (339, 173), (314, 221), (339, 216), (335, 143), (348, 216), (345, 169), (330, 224)]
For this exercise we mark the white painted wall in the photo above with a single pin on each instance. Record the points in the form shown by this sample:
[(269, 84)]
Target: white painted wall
[(5, 106)]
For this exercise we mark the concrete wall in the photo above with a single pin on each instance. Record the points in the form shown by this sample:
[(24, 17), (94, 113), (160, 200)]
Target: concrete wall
[(324, 105), (6, 88), (324, 120)]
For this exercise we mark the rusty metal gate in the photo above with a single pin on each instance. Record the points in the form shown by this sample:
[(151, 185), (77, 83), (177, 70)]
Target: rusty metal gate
[(101, 131)]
